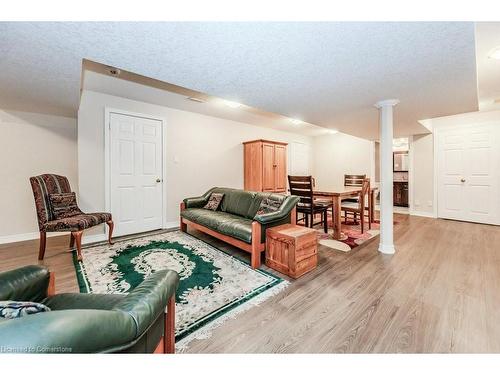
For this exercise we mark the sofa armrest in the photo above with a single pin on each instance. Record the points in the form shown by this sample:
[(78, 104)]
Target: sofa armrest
[(148, 300), (195, 202), (198, 202), (286, 207), (28, 283)]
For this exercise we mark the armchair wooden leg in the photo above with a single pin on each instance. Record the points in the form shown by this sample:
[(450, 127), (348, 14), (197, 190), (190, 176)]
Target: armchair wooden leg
[(78, 240), (111, 225), (169, 339), (43, 242)]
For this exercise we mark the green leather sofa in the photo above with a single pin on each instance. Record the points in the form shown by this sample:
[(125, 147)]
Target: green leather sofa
[(236, 222), (89, 323)]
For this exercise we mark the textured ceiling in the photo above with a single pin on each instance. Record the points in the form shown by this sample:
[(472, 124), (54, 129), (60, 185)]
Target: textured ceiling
[(328, 74)]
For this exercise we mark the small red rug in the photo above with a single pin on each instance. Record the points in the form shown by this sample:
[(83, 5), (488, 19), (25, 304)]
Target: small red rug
[(351, 236)]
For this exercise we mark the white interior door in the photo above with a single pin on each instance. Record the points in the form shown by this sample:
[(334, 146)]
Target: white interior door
[(468, 174), (136, 181)]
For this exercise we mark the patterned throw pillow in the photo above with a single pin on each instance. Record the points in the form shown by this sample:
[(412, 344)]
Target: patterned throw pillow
[(214, 201), (63, 205), (268, 205), (15, 309)]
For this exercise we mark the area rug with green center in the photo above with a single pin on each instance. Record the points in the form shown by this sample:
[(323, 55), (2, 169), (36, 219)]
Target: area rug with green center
[(214, 286)]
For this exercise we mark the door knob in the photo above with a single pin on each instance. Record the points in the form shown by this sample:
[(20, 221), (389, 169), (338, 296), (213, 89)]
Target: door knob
[(158, 180), (462, 179)]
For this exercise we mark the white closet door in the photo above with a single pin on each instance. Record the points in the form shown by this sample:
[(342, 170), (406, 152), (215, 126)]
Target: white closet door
[(136, 173), (468, 173)]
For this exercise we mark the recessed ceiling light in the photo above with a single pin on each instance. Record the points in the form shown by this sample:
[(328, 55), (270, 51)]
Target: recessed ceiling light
[(232, 104), (197, 100), (296, 121), (114, 71), (494, 53)]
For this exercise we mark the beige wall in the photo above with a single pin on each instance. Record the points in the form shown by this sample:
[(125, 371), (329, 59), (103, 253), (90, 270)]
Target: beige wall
[(201, 151), (31, 144), (422, 178), (337, 154)]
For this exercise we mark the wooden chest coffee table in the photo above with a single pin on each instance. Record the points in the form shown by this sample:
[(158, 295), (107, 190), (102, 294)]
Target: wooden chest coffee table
[(291, 249)]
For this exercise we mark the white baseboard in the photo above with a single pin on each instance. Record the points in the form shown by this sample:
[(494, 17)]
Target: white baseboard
[(93, 238), (85, 239), (171, 225), (423, 214), (27, 236)]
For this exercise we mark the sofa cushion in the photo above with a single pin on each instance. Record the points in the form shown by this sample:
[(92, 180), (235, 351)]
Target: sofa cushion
[(222, 222), (18, 309), (237, 202), (214, 201), (268, 205)]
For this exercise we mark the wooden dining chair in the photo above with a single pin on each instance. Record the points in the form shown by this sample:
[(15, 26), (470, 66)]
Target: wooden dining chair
[(359, 208), (353, 180), (302, 186)]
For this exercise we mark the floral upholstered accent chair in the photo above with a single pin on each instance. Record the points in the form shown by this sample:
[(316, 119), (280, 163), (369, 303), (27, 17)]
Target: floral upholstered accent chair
[(57, 212)]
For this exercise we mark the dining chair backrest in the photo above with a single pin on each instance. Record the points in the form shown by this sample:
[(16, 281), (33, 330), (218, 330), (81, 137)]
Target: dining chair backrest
[(354, 179), (365, 189), (302, 186)]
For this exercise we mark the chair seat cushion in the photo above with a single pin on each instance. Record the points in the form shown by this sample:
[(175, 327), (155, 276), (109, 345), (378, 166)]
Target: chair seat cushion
[(77, 222), (318, 206), (350, 205), (222, 222)]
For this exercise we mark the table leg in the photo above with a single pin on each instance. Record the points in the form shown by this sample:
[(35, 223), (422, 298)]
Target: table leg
[(337, 225)]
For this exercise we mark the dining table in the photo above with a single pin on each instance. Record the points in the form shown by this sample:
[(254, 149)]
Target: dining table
[(336, 195)]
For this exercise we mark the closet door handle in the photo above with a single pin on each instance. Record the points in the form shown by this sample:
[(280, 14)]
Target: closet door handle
[(462, 179)]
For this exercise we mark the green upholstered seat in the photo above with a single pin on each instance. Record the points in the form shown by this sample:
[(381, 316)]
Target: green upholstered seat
[(222, 222)]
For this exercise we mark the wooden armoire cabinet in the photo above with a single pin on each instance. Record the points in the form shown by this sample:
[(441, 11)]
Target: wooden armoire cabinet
[(265, 166)]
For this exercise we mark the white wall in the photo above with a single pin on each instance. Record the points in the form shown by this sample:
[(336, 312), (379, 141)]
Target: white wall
[(422, 174), (201, 151), (31, 144), (337, 154)]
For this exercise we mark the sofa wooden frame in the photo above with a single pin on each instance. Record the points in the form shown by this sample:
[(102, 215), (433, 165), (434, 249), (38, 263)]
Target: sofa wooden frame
[(255, 248)]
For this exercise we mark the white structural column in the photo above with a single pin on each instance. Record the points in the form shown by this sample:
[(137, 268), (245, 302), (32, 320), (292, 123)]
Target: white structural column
[(385, 108)]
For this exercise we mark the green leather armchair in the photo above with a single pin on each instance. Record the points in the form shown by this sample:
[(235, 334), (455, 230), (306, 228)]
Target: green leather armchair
[(89, 323)]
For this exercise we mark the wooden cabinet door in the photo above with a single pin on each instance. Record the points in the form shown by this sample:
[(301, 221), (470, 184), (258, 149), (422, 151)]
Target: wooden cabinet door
[(280, 168), (268, 174), (253, 166)]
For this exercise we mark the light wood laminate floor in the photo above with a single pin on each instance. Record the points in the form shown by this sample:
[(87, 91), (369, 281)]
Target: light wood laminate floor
[(439, 293)]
